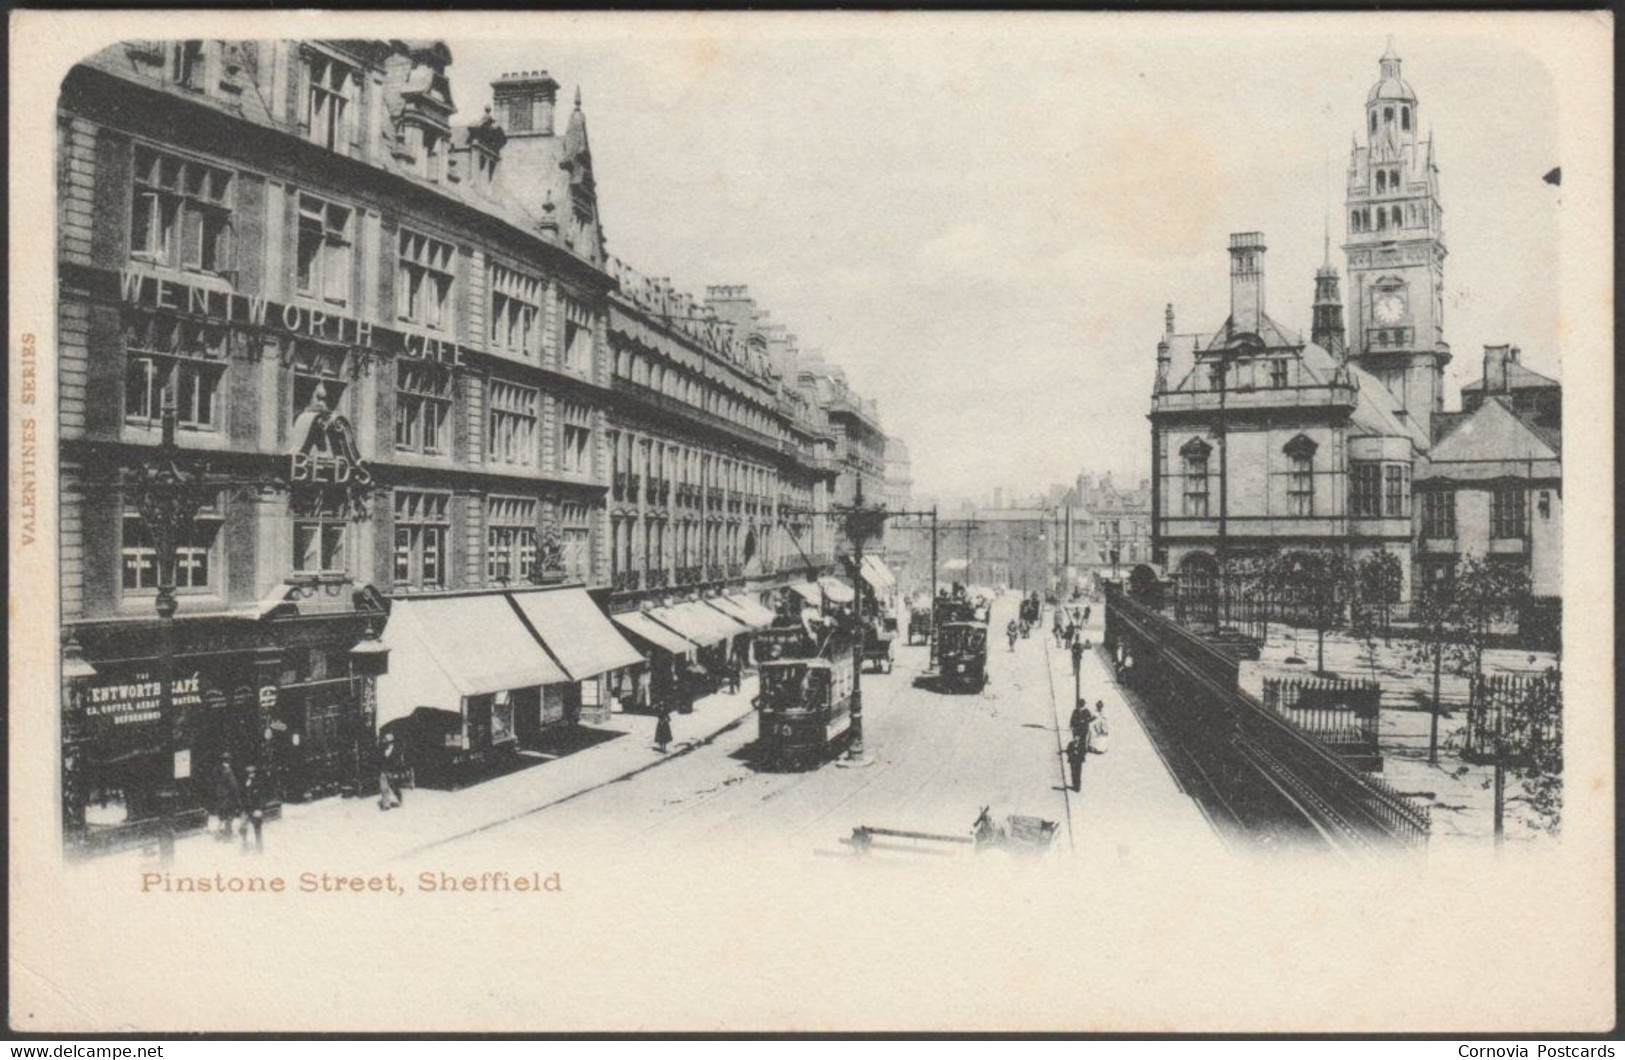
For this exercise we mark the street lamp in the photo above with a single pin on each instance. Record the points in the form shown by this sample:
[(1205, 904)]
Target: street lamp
[(861, 524)]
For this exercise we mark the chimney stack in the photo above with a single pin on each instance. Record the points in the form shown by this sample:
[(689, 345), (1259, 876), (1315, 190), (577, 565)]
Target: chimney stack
[(1247, 281), (1495, 368), (524, 102)]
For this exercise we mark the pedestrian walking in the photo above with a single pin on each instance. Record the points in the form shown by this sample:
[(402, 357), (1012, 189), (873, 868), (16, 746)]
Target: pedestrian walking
[(1077, 657), (1060, 630), (1071, 634), (1079, 722), (663, 730), (1074, 759), (1086, 614), (253, 808), (228, 797), (734, 675), (391, 763), (1098, 731)]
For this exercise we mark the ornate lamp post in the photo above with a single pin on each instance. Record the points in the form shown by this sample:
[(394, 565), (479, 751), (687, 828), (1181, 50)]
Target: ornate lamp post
[(169, 499), (861, 524)]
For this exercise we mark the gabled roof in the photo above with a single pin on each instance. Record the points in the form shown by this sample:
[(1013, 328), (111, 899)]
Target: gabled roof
[(1376, 412), (1518, 378), (1270, 334), (1494, 432)]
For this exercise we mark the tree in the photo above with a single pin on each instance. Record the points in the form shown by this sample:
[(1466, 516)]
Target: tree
[(1320, 585), (1378, 579), (1437, 616)]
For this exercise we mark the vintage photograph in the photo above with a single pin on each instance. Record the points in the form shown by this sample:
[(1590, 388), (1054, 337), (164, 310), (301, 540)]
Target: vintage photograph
[(1024, 442)]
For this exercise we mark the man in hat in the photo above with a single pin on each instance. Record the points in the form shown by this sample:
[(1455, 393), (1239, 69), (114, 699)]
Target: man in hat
[(227, 796), (389, 770)]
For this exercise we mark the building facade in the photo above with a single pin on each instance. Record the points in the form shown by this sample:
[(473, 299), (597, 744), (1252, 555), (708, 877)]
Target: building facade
[(399, 347), (1263, 442), (1492, 487)]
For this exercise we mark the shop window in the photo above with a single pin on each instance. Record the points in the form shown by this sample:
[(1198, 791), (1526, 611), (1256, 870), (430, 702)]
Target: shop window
[(511, 424), (424, 281), (422, 529), (1439, 514), (1507, 513), (330, 103), (181, 215), (1366, 491), (324, 268), (510, 539), (1396, 491), (423, 394), (186, 357), (196, 554), (515, 310)]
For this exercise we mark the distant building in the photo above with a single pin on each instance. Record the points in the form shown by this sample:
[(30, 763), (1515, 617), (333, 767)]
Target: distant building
[(1493, 483)]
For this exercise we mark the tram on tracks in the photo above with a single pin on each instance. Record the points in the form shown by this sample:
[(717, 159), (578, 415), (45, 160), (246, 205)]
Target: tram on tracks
[(804, 701)]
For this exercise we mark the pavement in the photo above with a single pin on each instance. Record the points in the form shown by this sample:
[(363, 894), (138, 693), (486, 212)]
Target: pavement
[(1129, 800), (354, 831)]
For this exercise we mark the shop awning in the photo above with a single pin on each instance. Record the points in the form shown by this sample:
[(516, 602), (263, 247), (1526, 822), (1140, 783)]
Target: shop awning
[(753, 615), (446, 648), (837, 590), (876, 574), (753, 611), (641, 625), (576, 632), (701, 624), (808, 591), (956, 564)]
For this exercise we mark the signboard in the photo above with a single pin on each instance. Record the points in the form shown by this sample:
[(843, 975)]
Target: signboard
[(183, 763), (135, 701)]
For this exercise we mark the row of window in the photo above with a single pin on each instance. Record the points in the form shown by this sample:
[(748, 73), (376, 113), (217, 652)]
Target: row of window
[(190, 359), (652, 458), (184, 216), (1411, 215), (1244, 374), (689, 388), (321, 544), (1388, 118), (652, 544)]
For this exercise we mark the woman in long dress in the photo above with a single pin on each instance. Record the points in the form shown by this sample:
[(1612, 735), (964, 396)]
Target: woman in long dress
[(1098, 730)]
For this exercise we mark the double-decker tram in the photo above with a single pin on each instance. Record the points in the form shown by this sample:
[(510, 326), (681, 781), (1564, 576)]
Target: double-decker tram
[(804, 703)]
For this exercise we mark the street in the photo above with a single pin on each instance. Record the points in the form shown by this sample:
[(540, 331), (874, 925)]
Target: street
[(936, 760)]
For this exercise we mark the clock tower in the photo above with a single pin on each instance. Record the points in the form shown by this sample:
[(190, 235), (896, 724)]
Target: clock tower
[(1396, 251)]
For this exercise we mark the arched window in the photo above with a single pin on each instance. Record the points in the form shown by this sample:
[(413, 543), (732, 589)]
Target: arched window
[(1382, 181), (1373, 121), (1394, 215), (1382, 218), (1393, 179), (1388, 115), (1301, 482), (1193, 459), (1405, 118)]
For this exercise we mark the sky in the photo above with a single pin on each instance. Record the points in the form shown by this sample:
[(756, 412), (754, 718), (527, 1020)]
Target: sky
[(981, 218)]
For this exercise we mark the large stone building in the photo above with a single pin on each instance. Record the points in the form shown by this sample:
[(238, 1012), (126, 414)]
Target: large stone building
[(437, 414), (1262, 441)]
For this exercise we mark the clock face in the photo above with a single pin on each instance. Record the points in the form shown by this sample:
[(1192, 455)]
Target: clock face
[(1389, 308)]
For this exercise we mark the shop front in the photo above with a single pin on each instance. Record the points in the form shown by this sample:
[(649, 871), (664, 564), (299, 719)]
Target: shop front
[(235, 696), (714, 632), (668, 655), (467, 684), (586, 645)]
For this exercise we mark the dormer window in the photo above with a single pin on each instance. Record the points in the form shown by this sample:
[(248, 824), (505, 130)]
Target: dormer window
[(189, 64), (328, 108)]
